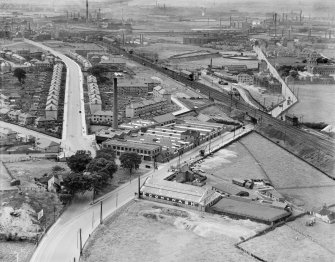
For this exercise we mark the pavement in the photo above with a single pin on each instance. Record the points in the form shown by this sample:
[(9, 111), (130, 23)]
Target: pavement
[(74, 135), (61, 242), (5, 179)]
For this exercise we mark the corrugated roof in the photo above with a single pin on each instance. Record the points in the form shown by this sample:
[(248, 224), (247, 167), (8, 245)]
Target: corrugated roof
[(249, 209)]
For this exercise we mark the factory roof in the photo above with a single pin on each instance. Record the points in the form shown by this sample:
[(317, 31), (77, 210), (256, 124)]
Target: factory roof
[(175, 190), (131, 144), (251, 210), (228, 188), (164, 118)]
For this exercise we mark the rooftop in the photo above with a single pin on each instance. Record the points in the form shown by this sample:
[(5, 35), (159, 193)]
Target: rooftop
[(132, 144), (249, 209), (174, 190)]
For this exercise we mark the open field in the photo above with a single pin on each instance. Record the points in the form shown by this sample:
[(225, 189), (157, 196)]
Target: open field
[(217, 62), (27, 170), (287, 244), (147, 231), (316, 103), (299, 182)]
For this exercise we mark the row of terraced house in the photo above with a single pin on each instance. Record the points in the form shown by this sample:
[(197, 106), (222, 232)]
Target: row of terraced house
[(51, 108), (82, 60)]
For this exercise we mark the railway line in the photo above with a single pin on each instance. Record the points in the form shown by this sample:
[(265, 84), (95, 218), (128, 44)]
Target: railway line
[(324, 145)]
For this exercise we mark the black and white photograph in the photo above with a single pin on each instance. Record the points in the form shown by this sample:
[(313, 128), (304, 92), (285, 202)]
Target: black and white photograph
[(167, 130)]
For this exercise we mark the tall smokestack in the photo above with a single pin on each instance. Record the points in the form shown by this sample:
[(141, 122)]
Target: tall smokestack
[(86, 11), (115, 107)]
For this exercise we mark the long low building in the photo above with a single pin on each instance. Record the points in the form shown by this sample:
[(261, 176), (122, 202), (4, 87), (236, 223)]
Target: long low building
[(249, 210), (147, 151), (179, 194)]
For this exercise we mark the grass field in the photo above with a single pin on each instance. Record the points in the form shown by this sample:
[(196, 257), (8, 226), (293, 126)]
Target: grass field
[(287, 244), (316, 103), (147, 231)]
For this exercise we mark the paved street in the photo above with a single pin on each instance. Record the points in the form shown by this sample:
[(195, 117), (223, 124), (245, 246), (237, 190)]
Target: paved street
[(61, 243), (74, 135)]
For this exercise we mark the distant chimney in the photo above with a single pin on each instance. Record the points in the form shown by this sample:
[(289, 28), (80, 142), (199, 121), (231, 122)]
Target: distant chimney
[(115, 107), (86, 11)]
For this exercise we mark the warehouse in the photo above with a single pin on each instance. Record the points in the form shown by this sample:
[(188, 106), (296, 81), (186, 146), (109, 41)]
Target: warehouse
[(249, 210), (179, 194)]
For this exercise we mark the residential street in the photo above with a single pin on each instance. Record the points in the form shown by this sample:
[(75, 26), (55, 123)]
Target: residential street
[(74, 135)]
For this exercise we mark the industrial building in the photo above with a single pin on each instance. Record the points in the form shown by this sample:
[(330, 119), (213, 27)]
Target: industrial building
[(177, 194), (248, 209), (245, 79), (146, 107), (147, 151)]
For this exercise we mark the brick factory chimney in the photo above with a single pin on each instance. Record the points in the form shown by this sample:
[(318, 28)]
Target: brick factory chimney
[(115, 106), (86, 11)]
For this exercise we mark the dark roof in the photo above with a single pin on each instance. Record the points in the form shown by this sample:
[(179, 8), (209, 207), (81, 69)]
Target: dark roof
[(164, 118), (228, 188), (250, 210)]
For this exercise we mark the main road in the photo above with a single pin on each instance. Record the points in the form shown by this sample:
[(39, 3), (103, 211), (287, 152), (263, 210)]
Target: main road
[(62, 241), (74, 136)]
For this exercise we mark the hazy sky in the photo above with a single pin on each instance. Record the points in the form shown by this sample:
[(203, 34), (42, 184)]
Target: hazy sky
[(279, 5)]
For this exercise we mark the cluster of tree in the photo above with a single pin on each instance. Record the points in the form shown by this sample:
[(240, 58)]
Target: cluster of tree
[(20, 74), (286, 70), (322, 60), (93, 174), (100, 71), (89, 173)]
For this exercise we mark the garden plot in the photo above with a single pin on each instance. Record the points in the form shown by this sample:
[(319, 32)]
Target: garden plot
[(27, 170), (286, 244), (147, 231)]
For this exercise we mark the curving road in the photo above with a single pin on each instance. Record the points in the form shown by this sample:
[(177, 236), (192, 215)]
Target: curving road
[(74, 135), (62, 243)]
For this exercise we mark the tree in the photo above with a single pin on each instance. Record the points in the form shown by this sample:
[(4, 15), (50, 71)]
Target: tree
[(57, 168), (101, 165), (106, 153), (20, 74), (76, 183), (130, 160), (79, 161)]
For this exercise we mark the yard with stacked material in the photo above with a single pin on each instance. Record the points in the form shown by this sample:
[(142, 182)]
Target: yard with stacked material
[(18, 211), (256, 157), (295, 242), (148, 231)]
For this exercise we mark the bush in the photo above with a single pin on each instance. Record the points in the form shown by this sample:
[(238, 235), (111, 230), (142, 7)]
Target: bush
[(57, 168)]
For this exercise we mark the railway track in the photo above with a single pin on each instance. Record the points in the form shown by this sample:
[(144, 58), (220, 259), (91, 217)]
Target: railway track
[(326, 146)]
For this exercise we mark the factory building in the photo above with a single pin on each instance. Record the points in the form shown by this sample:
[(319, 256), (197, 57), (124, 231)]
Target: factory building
[(147, 151), (145, 107), (177, 194)]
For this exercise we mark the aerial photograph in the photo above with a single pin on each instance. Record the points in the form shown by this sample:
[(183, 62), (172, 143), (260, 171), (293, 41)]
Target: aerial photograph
[(167, 130)]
